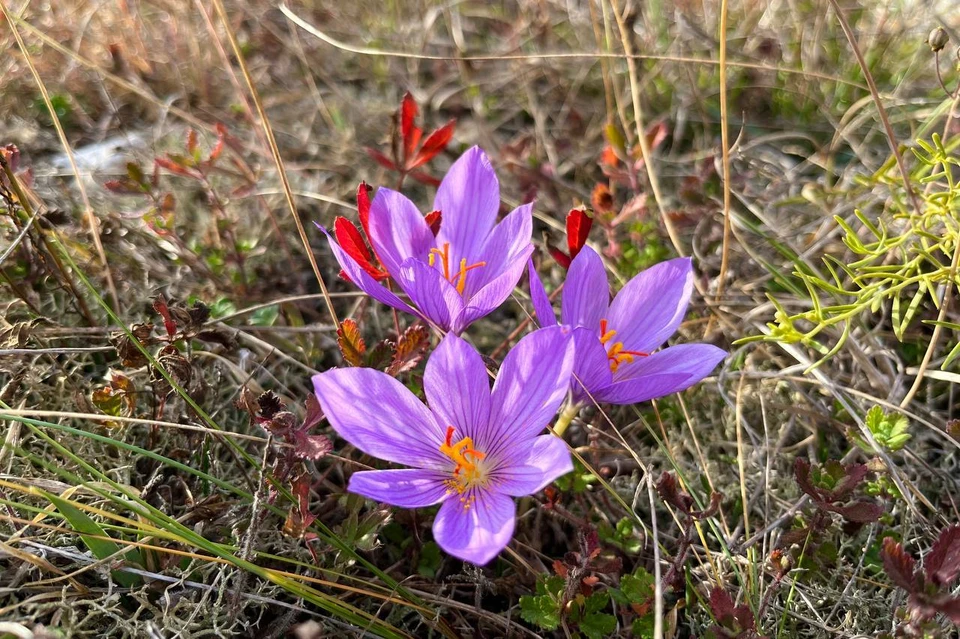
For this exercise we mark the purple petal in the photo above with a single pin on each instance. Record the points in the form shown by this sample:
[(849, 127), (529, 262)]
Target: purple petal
[(668, 371), (378, 415), (363, 281), (539, 298), (536, 466), (491, 296), (406, 487), (591, 367), (651, 306), (435, 297), (458, 389), (475, 526), (469, 200), (506, 244), (398, 230), (533, 381), (586, 294)]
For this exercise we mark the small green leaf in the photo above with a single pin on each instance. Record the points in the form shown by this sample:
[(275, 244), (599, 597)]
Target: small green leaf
[(265, 316), (96, 539)]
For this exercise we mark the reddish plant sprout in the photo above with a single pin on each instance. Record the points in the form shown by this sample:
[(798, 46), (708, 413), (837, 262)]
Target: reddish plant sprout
[(671, 493), (929, 590), (732, 621), (580, 569), (409, 149), (579, 223)]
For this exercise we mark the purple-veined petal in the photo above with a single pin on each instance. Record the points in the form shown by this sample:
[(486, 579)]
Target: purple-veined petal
[(469, 200), (397, 230), (586, 294), (475, 526), (540, 299), (435, 297), (669, 371), (533, 381), (378, 415), (491, 296), (506, 244), (404, 487), (696, 360), (362, 279), (651, 306), (458, 389), (591, 366), (534, 467)]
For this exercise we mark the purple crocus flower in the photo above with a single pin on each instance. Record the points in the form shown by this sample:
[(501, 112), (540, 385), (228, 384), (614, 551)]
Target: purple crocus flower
[(615, 342), (472, 449), (464, 272)]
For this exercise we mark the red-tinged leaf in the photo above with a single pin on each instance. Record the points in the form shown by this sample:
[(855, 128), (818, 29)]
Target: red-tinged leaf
[(313, 415), (671, 493), (363, 206), (949, 607), (175, 167), (601, 199), (310, 447), (410, 349), (192, 141), (854, 474), (721, 605), (218, 147), (12, 155), (160, 306), (578, 228), (899, 566), (942, 565), (350, 240), (433, 220), (352, 346), (608, 157), (437, 141), (424, 178), (408, 128), (560, 568), (381, 159), (299, 517), (801, 470), (861, 512), (562, 258), (123, 186)]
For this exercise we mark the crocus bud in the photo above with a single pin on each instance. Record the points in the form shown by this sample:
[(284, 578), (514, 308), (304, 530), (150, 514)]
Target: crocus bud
[(938, 39)]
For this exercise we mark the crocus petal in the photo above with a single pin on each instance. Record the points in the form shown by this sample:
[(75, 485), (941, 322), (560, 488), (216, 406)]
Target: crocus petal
[(469, 199), (696, 360), (669, 371), (506, 244), (364, 281), (475, 526), (591, 367), (651, 306), (405, 487), (398, 230), (491, 296), (532, 382), (586, 294), (435, 297), (539, 298), (378, 415), (458, 389), (535, 466)]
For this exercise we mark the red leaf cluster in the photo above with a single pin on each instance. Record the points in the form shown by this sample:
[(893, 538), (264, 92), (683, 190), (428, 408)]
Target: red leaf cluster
[(409, 149)]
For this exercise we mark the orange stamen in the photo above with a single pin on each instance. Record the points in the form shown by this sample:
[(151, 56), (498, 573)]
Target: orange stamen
[(461, 454), (617, 354), (459, 279)]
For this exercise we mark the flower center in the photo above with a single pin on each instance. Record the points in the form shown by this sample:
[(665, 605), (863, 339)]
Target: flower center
[(469, 469), (616, 353), (459, 279)]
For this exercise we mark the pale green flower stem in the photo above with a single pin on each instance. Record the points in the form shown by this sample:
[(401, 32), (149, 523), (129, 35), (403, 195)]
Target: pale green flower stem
[(566, 417)]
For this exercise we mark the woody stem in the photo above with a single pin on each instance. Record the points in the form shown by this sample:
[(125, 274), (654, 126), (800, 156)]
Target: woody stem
[(565, 419)]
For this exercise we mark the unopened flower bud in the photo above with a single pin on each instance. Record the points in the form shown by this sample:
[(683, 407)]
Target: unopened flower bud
[(938, 39)]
